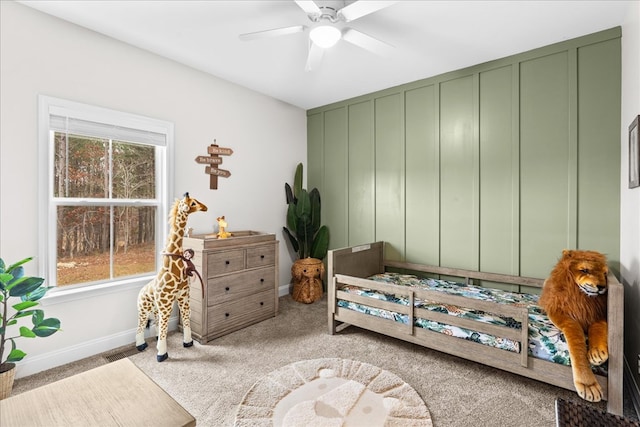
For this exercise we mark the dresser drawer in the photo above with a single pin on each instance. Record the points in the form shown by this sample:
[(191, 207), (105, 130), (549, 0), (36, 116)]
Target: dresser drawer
[(225, 262), (240, 285), (227, 317), (261, 256)]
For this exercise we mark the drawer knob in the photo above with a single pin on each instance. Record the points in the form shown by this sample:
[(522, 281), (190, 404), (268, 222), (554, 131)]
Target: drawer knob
[(226, 315), (261, 280), (261, 256), (261, 303), (226, 289), (226, 262)]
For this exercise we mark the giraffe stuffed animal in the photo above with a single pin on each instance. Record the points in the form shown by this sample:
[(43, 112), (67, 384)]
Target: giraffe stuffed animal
[(170, 284)]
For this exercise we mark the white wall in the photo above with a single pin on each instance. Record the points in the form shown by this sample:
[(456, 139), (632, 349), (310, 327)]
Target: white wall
[(630, 198), (41, 54)]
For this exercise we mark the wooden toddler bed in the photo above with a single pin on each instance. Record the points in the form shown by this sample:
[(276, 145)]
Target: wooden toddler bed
[(503, 329)]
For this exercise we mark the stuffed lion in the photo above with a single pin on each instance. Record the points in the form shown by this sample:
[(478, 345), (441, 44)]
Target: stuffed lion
[(575, 299)]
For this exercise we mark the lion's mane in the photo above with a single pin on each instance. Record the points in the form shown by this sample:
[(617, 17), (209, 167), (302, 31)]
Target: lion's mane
[(562, 293)]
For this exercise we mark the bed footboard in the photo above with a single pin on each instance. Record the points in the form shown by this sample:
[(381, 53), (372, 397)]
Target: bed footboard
[(359, 261)]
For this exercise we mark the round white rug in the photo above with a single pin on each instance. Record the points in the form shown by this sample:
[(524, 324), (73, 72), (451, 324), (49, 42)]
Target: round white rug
[(332, 392)]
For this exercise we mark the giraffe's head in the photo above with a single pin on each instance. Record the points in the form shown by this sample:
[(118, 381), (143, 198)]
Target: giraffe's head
[(189, 205)]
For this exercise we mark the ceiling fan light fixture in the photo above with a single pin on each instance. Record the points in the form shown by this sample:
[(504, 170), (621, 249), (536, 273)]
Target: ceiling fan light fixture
[(325, 36)]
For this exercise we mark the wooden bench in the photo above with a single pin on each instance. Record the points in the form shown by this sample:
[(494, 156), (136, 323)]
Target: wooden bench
[(116, 394)]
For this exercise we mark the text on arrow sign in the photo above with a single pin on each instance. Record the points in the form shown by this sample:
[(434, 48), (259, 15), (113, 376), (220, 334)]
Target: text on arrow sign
[(209, 160), (218, 172), (212, 149)]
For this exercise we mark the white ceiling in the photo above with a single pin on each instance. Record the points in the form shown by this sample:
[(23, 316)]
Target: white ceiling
[(430, 38)]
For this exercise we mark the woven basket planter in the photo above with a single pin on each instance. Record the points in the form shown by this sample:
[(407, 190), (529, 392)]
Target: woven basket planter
[(307, 280), (6, 381)]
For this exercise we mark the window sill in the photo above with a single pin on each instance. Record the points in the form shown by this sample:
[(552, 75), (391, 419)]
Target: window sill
[(61, 295)]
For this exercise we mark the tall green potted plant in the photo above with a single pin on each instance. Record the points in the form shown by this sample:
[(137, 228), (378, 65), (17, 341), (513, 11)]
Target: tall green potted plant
[(308, 238), (26, 291)]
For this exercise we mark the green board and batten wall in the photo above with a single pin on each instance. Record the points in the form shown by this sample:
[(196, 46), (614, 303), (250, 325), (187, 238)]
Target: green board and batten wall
[(496, 167)]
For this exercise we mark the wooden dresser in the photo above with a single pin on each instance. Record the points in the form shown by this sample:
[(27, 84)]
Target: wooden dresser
[(240, 276)]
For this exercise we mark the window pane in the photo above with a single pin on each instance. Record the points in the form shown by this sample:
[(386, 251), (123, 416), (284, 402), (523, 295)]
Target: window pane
[(83, 244), (135, 240), (134, 167), (81, 166)]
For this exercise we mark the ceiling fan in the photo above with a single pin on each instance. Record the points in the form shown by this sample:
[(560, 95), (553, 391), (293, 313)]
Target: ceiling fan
[(324, 33)]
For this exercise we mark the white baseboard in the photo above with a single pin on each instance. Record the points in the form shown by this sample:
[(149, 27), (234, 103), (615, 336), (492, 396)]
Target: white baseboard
[(52, 359), (34, 364), (284, 290)]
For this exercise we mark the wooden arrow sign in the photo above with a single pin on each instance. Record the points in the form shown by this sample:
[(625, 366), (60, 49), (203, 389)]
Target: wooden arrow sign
[(214, 159), (214, 149), (209, 160), (217, 172)]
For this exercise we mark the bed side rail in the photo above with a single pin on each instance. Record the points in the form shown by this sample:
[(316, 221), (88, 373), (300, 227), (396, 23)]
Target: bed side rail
[(520, 314), (468, 275)]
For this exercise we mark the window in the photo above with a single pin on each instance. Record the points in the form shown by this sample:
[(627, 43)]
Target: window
[(105, 187)]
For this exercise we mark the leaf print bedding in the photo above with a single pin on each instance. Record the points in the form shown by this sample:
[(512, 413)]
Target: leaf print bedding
[(546, 342)]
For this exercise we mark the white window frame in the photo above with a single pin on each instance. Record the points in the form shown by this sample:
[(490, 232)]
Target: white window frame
[(48, 106)]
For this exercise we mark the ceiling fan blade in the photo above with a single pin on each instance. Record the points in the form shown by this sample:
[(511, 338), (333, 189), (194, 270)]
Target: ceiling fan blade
[(273, 33), (309, 7), (361, 8), (315, 57), (367, 42)]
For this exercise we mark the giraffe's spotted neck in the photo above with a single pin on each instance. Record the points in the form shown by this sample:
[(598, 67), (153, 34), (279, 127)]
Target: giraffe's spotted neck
[(178, 227)]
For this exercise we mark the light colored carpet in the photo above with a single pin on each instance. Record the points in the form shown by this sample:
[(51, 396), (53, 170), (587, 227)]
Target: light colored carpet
[(211, 380), (332, 392)]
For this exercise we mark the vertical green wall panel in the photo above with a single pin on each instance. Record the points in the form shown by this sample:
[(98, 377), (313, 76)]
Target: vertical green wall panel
[(315, 148), (545, 163), (422, 176), (497, 167), (498, 173), (335, 196), (458, 175), (361, 174), (389, 181), (599, 149)]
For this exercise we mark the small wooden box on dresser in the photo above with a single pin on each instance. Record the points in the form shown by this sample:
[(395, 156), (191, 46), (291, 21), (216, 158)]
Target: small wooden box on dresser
[(240, 276)]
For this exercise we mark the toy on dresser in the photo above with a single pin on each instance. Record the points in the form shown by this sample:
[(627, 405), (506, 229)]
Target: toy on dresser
[(222, 228)]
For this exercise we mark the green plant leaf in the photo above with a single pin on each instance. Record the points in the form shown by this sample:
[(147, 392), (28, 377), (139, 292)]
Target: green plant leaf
[(320, 244), (18, 264), (2, 266), (292, 218), (303, 207), (37, 317), (26, 332), (47, 327), (24, 286), (37, 294), (314, 197), (24, 305), (288, 193), (292, 239), (16, 355), (297, 181), (26, 313)]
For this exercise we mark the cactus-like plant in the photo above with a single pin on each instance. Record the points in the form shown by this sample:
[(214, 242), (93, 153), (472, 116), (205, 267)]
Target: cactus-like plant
[(28, 290), (307, 236)]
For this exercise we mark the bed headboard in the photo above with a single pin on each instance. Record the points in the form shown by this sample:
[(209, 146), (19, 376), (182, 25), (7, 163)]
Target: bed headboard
[(360, 261)]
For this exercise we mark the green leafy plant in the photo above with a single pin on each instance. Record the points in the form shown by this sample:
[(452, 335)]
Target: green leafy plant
[(28, 290), (308, 238)]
